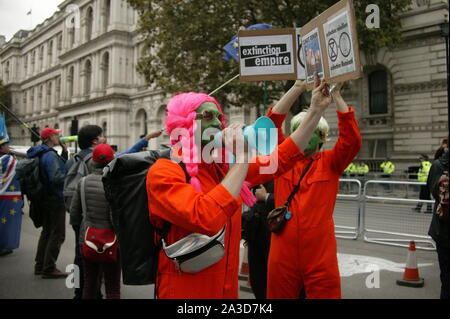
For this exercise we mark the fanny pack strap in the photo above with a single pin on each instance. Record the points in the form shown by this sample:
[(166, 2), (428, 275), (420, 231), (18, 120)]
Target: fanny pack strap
[(297, 187)]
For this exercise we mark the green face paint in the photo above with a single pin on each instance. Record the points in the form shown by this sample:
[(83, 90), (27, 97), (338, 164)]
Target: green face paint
[(313, 142), (211, 119)]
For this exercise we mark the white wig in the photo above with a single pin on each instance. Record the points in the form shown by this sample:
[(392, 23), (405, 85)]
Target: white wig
[(323, 126)]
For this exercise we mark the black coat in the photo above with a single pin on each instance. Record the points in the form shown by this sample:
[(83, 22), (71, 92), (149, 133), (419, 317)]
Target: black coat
[(438, 228)]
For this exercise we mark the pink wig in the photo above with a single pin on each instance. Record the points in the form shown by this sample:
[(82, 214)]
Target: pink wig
[(181, 113)]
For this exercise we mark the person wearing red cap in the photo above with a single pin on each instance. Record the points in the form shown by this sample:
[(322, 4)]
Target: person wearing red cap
[(52, 173), (97, 214)]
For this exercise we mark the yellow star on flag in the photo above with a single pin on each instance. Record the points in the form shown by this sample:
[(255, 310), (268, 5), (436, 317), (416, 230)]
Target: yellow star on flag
[(12, 188), (235, 44), (3, 180), (12, 212), (15, 199), (3, 220)]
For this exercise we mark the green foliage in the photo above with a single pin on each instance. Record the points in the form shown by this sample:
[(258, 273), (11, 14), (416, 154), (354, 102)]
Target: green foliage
[(183, 40)]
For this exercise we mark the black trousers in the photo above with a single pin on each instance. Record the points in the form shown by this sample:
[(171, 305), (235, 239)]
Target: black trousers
[(258, 257), (52, 236), (424, 195), (443, 254), (78, 261)]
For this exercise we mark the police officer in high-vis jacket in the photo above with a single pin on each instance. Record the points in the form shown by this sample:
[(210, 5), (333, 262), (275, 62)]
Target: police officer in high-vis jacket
[(422, 176), (388, 169)]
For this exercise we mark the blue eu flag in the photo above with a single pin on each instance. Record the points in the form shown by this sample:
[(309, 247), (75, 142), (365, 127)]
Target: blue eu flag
[(231, 48), (3, 131)]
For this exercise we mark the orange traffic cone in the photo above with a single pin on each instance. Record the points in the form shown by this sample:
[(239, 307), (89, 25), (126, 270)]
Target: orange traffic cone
[(411, 275)]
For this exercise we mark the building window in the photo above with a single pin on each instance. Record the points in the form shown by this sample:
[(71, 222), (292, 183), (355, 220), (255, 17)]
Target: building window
[(59, 43), (32, 100), (50, 52), (25, 65), (70, 82), (87, 75), (41, 89), (58, 89), (105, 128), (49, 95), (7, 72), (107, 12), (33, 61), (378, 92), (105, 70), (89, 22), (72, 33)]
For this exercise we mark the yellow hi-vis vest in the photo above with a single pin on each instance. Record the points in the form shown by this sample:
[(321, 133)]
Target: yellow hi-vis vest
[(422, 176), (387, 167), (351, 168), (364, 169)]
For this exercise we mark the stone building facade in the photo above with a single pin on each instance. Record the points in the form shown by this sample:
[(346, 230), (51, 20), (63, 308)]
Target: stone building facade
[(80, 63)]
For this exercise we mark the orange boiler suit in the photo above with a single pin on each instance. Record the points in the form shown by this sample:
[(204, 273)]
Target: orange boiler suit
[(172, 199), (303, 254)]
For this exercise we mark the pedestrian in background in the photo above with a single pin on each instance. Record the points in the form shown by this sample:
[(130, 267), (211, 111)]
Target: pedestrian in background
[(90, 136), (95, 214), (257, 236), (440, 151), (439, 226), (388, 169), (11, 200), (52, 173), (422, 177)]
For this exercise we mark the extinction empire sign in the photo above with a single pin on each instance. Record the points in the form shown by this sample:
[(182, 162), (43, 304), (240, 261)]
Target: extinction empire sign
[(267, 55)]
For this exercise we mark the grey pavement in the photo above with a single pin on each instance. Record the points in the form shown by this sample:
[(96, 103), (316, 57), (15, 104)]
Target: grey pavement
[(18, 281)]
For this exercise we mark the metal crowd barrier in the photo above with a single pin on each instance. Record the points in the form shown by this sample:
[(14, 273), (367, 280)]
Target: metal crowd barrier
[(391, 220), (384, 217), (347, 214)]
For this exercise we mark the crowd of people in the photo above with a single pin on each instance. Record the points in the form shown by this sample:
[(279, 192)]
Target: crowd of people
[(288, 226)]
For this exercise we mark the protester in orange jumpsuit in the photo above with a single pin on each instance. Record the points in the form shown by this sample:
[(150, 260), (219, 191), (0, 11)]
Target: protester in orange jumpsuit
[(303, 254), (218, 202)]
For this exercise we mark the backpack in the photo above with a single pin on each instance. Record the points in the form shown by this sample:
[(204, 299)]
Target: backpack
[(124, 181), (99, 245), (78, 170), (28, 174), (442, 191)]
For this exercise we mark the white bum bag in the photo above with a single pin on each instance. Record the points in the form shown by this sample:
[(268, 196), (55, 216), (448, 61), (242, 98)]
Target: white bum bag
[(196, 252)]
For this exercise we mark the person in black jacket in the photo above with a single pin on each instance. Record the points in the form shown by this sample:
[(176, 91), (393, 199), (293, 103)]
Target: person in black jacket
[(439, 226), (257, 235)]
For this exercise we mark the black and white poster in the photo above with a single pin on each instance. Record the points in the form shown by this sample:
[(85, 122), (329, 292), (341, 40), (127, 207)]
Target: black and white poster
[(338, 37), (266, 55)]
